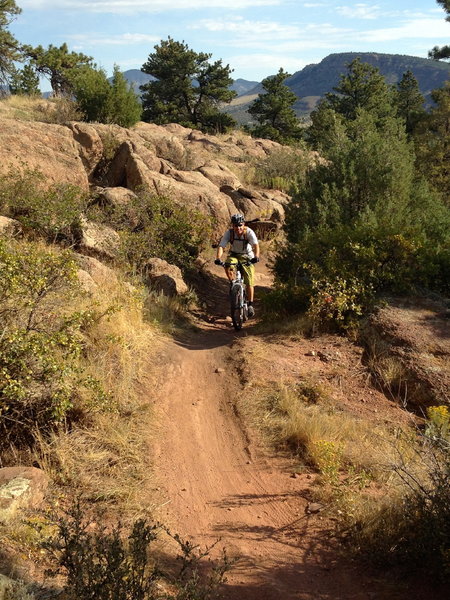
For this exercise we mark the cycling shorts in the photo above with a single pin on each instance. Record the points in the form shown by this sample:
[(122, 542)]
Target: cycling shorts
[(247, 268)]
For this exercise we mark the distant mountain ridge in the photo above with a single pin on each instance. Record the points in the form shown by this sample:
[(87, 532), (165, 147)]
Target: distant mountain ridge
[(315, 80)]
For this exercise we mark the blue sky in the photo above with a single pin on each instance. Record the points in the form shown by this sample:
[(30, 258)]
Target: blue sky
[(255, 37)]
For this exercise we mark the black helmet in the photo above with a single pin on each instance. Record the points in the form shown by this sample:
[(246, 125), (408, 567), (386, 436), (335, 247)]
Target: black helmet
[(237, 219)]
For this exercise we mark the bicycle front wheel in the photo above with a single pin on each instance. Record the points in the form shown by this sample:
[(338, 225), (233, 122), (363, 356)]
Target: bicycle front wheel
[(237, 309)]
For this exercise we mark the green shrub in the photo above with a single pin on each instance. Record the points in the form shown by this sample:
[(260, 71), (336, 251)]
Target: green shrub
[(41, 341), (360, 225), (281, 168), (51, 212), (156, 226)]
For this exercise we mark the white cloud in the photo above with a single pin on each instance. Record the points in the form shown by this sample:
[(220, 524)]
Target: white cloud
[(278, 36), (359, 11), (84, 40), (432, 29), (147, 6), (250, 30)]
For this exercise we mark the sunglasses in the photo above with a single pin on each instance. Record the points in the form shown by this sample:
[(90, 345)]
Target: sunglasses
[(238, 225)]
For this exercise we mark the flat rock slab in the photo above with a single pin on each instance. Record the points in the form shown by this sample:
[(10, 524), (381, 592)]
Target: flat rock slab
[(20, 487)]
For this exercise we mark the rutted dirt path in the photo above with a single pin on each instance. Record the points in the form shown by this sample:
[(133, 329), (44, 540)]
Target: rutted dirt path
[(215, 483), (218, 485)]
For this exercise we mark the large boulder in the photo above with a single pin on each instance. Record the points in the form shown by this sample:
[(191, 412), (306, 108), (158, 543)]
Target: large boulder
[(100, 273), (10, 228), (98, 240), (20, 487), (165, 278), (50, 149)]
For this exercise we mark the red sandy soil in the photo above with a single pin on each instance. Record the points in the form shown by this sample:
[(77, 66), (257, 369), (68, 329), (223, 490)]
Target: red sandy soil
[(217, 481)]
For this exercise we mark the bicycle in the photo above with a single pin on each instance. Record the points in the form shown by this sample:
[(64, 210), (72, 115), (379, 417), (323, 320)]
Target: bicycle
[(238, 299)]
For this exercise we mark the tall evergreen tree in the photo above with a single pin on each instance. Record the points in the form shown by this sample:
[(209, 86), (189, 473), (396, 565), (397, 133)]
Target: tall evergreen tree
[(273, 110), (24, 82), (409, 101), (125, 108), (9, 47), (364, 87), (188, 88), (433, 143)]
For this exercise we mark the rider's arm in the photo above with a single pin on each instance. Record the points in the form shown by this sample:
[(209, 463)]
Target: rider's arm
[(223, 244), (256, 250)]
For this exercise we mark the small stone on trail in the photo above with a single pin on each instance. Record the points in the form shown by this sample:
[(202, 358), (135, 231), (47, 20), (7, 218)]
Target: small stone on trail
[(310, 353), (219, 370), (294, 475), (313, 508)]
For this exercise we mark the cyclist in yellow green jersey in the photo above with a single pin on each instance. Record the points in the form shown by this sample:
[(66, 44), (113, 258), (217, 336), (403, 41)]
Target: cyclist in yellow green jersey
[(244, 250)]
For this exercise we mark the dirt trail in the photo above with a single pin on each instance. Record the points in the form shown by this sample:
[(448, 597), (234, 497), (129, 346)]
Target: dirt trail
[(219, 486), (216, 484)]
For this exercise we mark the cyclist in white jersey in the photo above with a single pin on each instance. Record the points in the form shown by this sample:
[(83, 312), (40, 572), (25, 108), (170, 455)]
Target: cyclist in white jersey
[(244, 250)]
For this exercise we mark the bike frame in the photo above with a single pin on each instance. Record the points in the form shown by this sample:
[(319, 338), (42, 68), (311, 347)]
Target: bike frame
[(238, 300)]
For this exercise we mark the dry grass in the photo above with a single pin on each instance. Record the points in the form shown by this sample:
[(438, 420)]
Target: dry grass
[(28, 108), (301, 417), (106, 457)]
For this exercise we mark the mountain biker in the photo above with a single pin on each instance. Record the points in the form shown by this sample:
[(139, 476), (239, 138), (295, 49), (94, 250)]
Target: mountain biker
[(244, 250)]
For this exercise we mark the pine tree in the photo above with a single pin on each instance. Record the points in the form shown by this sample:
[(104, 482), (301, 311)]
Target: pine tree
[(24, 82), (58, 65), (273, 110), (9, 47), (188, 88), (362, 87), (433, 143), (409, 101), (443, 52)]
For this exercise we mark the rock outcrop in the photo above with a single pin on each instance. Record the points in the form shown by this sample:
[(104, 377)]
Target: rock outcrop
[(50, 149), (188, 166), (9, 228), (165, 278)]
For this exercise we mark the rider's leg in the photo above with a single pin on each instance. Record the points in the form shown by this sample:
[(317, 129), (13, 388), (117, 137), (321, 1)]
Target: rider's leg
[(230, 273), (250, 292)]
